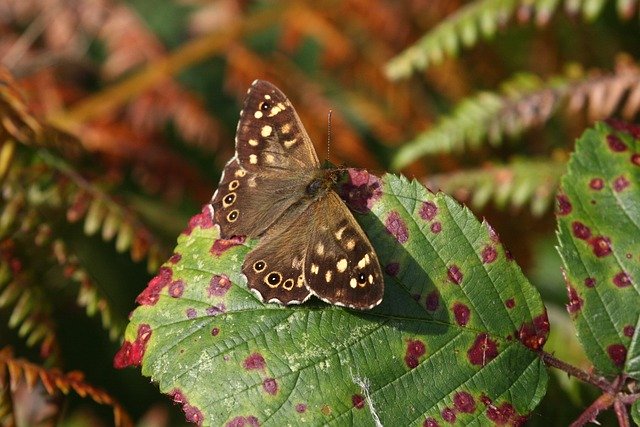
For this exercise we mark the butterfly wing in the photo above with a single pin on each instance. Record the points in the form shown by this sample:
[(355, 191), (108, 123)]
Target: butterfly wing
[(265, 182), (274, 268), (341, 266), (270, 135)]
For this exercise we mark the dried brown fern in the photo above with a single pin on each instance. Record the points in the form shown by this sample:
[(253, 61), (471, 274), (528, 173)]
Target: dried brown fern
[(14, 372)]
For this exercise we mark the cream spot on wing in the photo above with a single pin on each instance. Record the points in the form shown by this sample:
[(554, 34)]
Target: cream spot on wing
[(285, 128), (320, 249), (361, 263), (339, 233), (274, 111), (290, 143), (314, 269), (351, 244), (300, 281), (253, 142), (342, 265), (370, 279), (267, 96), (240, 173), (353, 282), (257, 114), (269, 158), (327, 276), (266, 131), (252, 181), (296, 263), (253, 159)]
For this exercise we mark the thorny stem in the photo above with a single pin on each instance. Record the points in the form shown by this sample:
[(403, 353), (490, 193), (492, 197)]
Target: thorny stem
[(596, 380), (621, 414), (590, 414)]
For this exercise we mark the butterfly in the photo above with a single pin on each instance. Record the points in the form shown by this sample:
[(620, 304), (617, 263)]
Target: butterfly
[(275, 189)]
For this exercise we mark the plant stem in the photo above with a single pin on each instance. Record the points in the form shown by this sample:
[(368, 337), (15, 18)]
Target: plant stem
[(590, 414), (621, 413), (598, 381)]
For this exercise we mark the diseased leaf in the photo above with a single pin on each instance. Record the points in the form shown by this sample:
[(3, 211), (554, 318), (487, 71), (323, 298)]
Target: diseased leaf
[(599, 225), (454, 339)]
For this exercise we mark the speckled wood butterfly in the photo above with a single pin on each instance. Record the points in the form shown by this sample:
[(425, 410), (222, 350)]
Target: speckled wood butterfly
[(275, 189)]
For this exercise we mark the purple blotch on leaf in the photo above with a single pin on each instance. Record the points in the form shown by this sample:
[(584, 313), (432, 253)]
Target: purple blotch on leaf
[(464, 402), (397, 228), (534, 334), (202, 220), (622, 280), (580, 230), (510, 303), (254, 361), (222, 245), (616, 144), (575, 302), (628, 331), (240, 421), (415, 350), (449, 415), (590, 282), (176, 288), (617, 354), (433, 300), (454, 274), (392, 269), (461, 313), (358, 401), (430, 422), (436, 227), (483, 350), (428, 211), (489, 254), (600, 245), (270, 385), (620, 183), (191, 312), (219, 285), (564, 205), (596, 184)]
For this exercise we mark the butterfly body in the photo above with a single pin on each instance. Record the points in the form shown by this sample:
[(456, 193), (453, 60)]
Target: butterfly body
[(274, 189)]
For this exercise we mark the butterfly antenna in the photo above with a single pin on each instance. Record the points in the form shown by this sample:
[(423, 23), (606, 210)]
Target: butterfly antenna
[(329, 133)]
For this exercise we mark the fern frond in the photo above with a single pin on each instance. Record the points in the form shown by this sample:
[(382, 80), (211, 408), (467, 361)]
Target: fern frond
[(481, 19), (524, 102), (513, 185), (30, 308), (14, 371)]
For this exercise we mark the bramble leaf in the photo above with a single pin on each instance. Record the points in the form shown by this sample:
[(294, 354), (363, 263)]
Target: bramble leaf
[(454, 339), (598, 229)]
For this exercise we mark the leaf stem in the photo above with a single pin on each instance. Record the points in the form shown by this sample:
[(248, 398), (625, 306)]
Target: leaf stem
[(590, 414), (598, 381)]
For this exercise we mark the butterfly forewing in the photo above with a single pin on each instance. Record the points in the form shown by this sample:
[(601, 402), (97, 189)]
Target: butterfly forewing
[(341, 266), (274, 189)]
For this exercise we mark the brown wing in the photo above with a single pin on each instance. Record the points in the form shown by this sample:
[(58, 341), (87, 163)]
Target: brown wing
[(270, 134), (274, 268), (341, 266)]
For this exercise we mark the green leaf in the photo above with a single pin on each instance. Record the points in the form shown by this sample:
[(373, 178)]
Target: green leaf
[(599, 225), (455, 336)]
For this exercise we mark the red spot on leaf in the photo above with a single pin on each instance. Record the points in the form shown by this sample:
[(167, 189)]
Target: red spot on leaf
[(222, 245), (596, 184), (362, 191), (270, 385), (358, 401), (502, 414), (580, 230), (415, 350), (564, 205), (616, 144), (176, 288), (301, 408), (628, 331), (617, 354), (622, 280), (430, 422), (392, 269), (203, 220), (620, 183), (436, 227), (131, 353), (483, 350), (191, 313), (175, 258), (486, 400), (493, 235), (455, 275), (489, 254), (433, 300), (534, 334), (635, 159), (626, 127), (214, 310), (250, 421), (397, 228), (462, 313), (464, 402), (590, 282), (192, 414), (219, 285), (575, 302), (215, 331), (151, 294), (510, 303), (428, 211), (601, 246), (254, 361), (449, 415)]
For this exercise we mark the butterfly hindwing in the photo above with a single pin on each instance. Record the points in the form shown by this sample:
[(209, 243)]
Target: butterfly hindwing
[(341, 266)]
